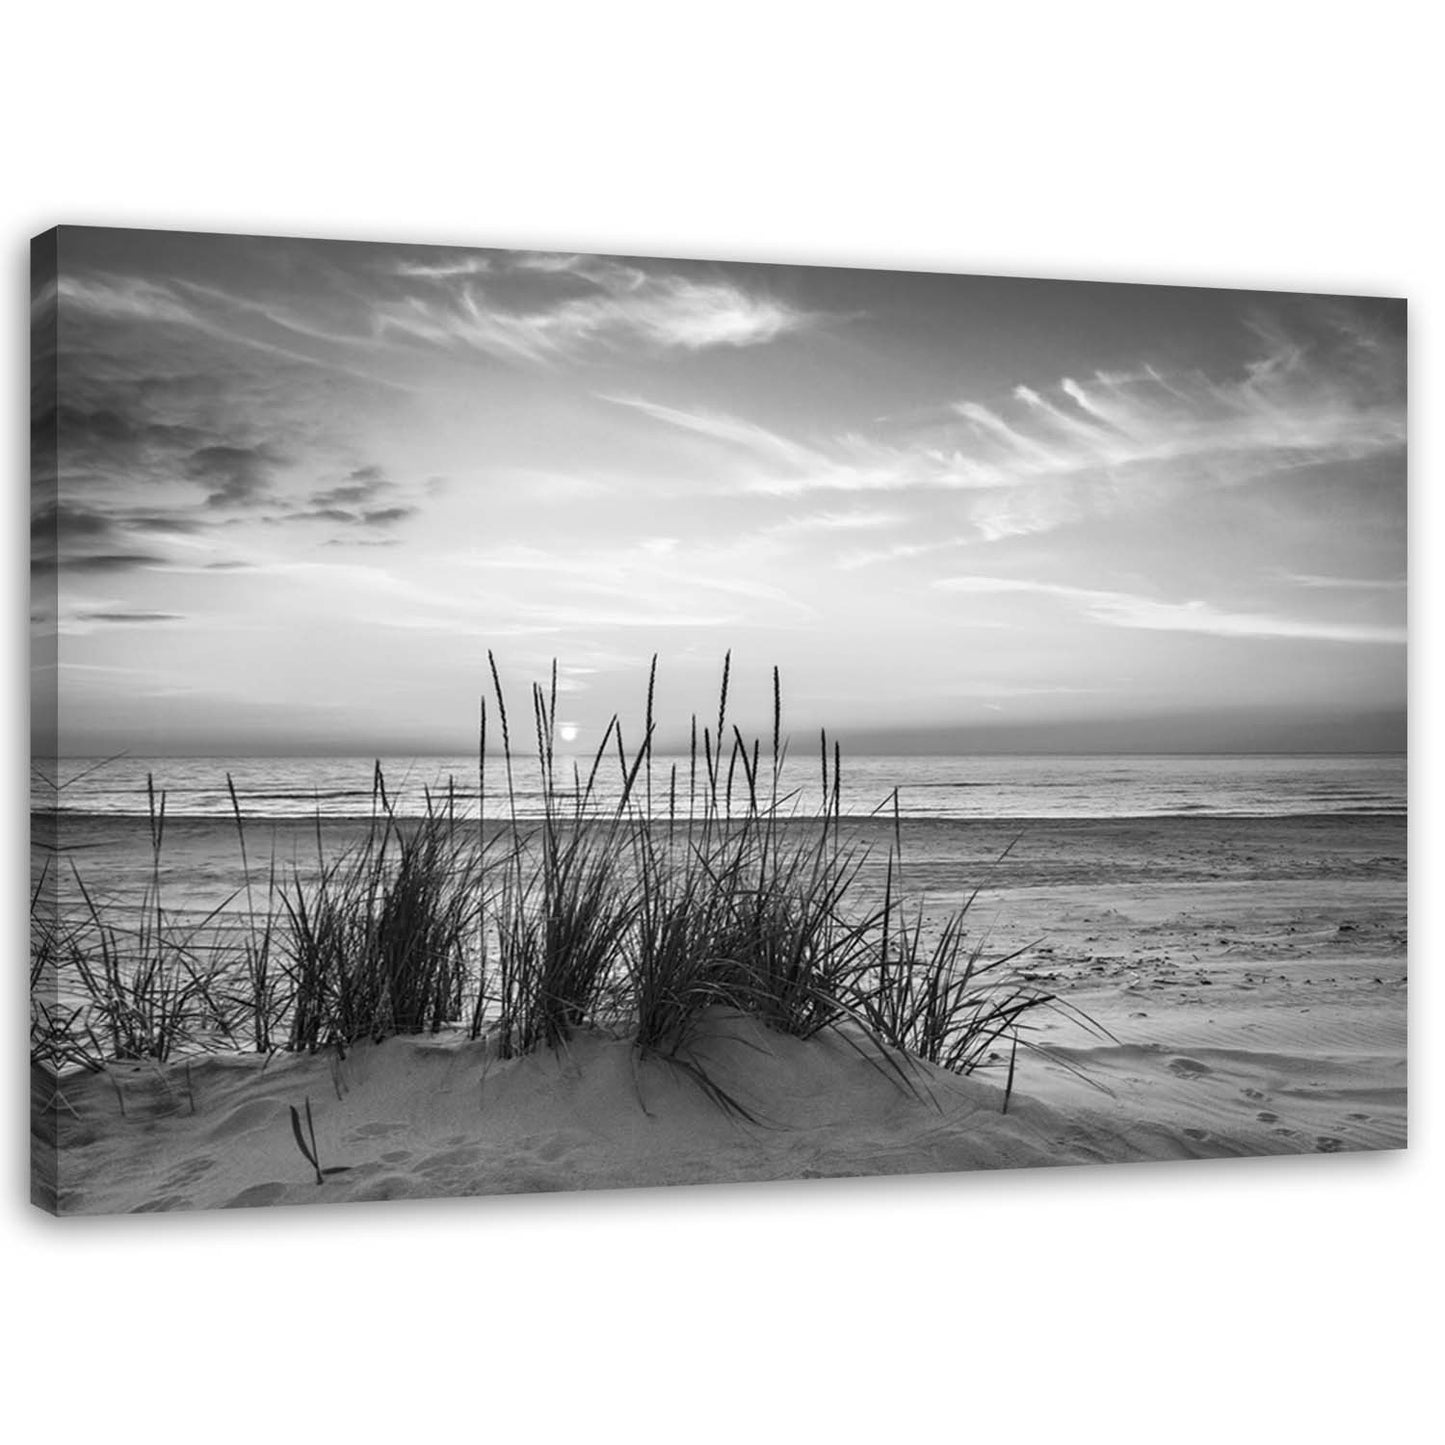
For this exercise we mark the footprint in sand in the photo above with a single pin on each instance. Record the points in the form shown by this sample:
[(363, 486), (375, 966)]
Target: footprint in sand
[(1186, 1068), (256, 1195), (1255, 1094), (1265, 1117), (1199, 1134), (1328, 1144), (392, 1186), (1363, 1118), (374, 1131), (450, 1159)]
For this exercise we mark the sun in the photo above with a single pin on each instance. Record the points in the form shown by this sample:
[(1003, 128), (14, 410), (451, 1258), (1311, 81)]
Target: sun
[(567, 732)]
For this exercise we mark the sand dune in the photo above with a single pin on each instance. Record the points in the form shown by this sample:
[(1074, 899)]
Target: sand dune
[(1252, 976), (1257, 1074), (411, 1118)]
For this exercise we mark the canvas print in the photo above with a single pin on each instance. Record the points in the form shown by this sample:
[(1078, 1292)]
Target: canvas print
[(511, 721)]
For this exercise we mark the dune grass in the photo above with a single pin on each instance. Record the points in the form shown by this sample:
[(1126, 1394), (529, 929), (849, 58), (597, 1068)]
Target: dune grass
[(378, 943), (649, 910), (149, 987)]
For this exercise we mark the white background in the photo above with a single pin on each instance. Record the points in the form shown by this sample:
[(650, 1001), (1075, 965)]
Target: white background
[(1267, 145)]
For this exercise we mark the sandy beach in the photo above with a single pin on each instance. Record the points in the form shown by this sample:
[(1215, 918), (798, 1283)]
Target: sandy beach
[(1252, 973), (1030, 392)]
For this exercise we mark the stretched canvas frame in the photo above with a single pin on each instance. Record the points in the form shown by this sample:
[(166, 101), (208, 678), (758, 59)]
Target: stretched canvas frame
[(511, 721)]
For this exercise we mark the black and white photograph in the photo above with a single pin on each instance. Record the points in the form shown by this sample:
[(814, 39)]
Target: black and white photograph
[(515, 721), (721, 722)]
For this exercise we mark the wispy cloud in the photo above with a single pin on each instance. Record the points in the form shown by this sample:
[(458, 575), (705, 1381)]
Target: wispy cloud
[(124, 299), (554, 616), (607, 306), (1040, 458), (1123, 609), (831, 523), (748, 437), (655, 578), (1345, 584), (1078, 426), (131, 300), (1033, 452), (899, 552), (465, 263), (284, 314)]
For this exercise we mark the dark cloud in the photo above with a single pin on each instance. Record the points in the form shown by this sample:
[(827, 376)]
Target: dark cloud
[(164, 522), (376, 517), (106, 426), (69, 522), (98, 562), (365, 484), (118, 433), (129, 617), (139, 414), (235, 475), (64, 522), (352, 502), (343, 496), (324, 514), (75, 538), (72, 538)]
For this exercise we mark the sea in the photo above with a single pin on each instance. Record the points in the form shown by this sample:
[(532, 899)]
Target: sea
[(1041, 835), (93, 833), (960, 787)]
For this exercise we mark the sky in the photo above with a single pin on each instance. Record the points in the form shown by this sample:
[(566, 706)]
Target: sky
[(287, 495)]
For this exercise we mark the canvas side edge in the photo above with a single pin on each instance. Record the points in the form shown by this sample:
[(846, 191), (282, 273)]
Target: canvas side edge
[(44, 688)]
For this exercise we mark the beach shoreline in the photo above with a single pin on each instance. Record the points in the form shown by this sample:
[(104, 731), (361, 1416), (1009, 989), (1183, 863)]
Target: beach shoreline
[(1251, 972)]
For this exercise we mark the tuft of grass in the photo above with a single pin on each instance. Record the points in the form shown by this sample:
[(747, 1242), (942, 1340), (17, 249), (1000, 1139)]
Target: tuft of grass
[(151, 985), (612, 910), (59, 1038), (946, 1002), (382, 941)]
